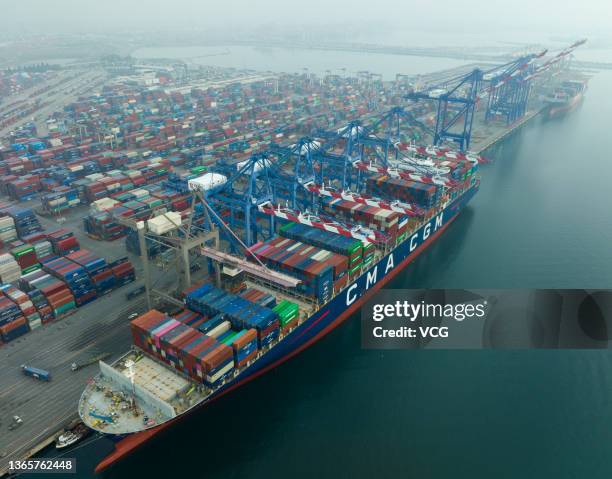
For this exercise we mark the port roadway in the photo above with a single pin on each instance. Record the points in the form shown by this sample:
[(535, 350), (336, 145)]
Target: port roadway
[(47, 407), (102, 326), (64, 88)]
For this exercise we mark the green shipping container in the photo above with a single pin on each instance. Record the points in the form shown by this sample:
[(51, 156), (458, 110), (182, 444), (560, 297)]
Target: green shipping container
[(64, 308), (228, 340)]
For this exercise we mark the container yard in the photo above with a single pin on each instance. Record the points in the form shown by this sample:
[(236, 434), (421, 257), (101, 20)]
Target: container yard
[(247, 204)]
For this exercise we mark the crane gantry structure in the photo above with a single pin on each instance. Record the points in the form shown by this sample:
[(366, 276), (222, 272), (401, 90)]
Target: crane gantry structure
[(505, 88), (242, 201)]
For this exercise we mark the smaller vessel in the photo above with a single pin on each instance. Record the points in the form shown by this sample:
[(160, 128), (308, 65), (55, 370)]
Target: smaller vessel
[(72, 436), (564, 98)]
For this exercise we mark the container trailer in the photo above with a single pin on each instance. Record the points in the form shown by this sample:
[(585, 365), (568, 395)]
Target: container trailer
[(36, 373)]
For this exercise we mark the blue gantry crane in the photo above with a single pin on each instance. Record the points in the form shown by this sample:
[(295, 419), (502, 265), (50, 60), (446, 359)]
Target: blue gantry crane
[(248, 186), (294, 176), (300, 157), (508, 88), (456, 102)]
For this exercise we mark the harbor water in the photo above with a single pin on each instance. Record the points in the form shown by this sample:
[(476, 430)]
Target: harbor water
[(299, 60), (542, 219)]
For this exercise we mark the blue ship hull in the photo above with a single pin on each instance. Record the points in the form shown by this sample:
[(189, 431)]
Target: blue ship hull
[(330, 315), (354, 295)]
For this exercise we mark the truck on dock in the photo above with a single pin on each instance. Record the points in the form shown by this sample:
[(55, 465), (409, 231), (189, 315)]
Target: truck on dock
[(83, 364), (36, 373)]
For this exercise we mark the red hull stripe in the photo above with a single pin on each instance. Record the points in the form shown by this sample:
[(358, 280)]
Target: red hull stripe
[(133, 441)]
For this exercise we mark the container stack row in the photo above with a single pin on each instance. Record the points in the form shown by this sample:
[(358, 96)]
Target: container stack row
[(288, 312), (63, 241), (27, 307), (58, 296), (262, 298), (413, 192), (190, 318), (228, 311), (460, 170), (319, 270), (123, 271), (20, 188), (75, 276), (61, 199), (200, 356), (12, 322), (8, 232), (388, 222), (137, 204), (26, 258), (10, 270), (24, 219), (138, 175), (351, 248), (99, 271)]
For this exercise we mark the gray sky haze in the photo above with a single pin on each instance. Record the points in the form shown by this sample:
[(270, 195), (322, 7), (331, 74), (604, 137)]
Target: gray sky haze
[(554, 17)]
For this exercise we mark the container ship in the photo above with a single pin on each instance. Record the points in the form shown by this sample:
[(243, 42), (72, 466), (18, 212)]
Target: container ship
[(281, 294), (564, 98)]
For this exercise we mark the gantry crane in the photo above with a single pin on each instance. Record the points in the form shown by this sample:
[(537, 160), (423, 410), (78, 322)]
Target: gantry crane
[(506, 88)]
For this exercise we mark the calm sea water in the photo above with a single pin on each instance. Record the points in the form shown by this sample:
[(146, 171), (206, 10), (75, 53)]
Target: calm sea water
[(542, 219), (296, 60)]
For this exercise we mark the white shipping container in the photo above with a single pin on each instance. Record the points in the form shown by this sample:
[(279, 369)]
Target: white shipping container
[(8, 236), (103, 204), (224, 327), (207, 182), (224, 370), (140, 193), (164, 223), (6, 220)]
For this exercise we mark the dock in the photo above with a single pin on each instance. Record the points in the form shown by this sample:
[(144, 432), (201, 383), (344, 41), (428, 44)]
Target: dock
[(97, 328), (102, 326), (494, 133)]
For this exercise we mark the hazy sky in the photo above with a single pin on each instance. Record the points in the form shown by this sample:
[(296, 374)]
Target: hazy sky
[(555, 17)]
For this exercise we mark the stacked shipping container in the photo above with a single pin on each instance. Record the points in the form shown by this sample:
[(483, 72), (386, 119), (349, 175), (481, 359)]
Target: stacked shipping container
[(414, 192), (351, 248), (222, 307), (320, 270), (201, 357), (63, 241)]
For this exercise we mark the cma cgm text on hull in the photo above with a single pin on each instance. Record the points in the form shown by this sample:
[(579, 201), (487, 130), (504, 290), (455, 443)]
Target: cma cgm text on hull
[(315, 326)]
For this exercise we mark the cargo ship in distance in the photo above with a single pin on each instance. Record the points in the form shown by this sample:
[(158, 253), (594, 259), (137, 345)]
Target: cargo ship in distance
[(564, 98), (231, 332)]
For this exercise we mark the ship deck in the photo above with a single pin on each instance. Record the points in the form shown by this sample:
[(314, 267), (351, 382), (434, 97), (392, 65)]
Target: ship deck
[(126, 396), (110, 405)]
